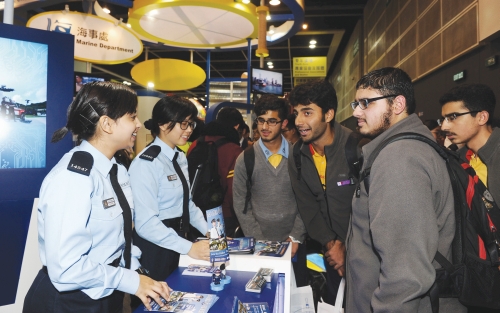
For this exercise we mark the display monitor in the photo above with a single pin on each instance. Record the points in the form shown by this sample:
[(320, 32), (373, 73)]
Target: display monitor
[(267, 82), (84, 78), (23, 103)]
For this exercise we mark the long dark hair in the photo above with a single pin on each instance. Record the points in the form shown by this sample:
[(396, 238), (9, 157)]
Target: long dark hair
[(94, 100), (170, 109)]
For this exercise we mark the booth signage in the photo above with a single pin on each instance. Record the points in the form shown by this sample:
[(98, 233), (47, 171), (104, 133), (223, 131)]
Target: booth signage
[(97, 40), (309, 67)]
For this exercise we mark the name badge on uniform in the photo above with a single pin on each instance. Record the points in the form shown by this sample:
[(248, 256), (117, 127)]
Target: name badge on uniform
[(172, 177), (349, 181), (108, 203)]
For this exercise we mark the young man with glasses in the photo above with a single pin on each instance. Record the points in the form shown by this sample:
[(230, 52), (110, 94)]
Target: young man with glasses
[(467, 117), (271, 213), (324, 187), (408, 213)]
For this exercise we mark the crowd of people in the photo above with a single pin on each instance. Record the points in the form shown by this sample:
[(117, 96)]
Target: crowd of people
[(301, 189)]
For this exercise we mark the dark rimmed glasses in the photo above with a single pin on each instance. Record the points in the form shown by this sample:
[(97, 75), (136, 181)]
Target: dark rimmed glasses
[(453, 116), (184, 125), (363, 103), (270, 122)]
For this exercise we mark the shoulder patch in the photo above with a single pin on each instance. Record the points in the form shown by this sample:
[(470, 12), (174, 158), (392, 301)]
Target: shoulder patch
[(81, 162), (151, 153)]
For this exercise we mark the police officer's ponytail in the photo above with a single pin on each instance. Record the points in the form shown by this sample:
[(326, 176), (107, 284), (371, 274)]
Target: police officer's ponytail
[(93, 101)]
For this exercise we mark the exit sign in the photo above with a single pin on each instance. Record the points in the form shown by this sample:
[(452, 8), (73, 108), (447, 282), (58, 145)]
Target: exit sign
[(458, 76)]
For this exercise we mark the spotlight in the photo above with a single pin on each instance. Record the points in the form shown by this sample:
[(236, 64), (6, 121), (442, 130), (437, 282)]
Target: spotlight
[(129, 26), (151, 85), (274, 2), (246, 1), (304, 26), (106, 10), (312, 46), (269, 63), (312, 42), (268, 17)]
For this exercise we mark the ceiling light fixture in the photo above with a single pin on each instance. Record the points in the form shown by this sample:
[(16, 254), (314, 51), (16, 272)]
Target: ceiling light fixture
[(268, 17), (274, 2), (304, 26), (151, 85), (269, 63), (129, 26), (312, 42), (246, 1), (312, 46), (270, 66), (106, 10)]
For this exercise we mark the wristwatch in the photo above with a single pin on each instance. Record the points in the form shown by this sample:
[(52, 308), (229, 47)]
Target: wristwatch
[(142, 271), (294, 240)]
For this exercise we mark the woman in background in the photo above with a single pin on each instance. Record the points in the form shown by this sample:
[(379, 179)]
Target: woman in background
[(84, 215)]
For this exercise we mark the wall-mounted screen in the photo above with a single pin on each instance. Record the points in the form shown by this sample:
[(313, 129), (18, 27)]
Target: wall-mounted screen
[(84, 78), (23, 106), (268, 82)]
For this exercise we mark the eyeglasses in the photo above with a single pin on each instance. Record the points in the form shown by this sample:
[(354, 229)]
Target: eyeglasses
[(184, 125), (363, 103), (270, 122), (453, 116)]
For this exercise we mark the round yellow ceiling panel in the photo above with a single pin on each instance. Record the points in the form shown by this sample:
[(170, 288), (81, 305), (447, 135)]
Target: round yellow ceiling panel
[(168, 74), (194, 23)]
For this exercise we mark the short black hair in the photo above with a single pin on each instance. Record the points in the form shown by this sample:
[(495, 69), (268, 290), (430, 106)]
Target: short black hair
[(230, 117), (319, 92), (291, 121), (271, 103), (94, 100), (170, 109), (390, 81), (476, 97)]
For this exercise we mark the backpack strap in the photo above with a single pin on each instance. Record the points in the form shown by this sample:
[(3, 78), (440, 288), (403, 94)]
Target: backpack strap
[(249, 158), (407, 135), (81, 162), (297, 157), (353, 153), (151, 153)]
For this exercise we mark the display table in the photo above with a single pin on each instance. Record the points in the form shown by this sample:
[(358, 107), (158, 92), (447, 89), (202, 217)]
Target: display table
[(252, 263), (201, 284)]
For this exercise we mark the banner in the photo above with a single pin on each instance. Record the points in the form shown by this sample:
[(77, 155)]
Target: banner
[(309, 67)]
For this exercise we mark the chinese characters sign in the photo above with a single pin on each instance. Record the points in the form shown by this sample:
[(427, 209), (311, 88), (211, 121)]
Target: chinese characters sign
[(309, 67), (97, 40)]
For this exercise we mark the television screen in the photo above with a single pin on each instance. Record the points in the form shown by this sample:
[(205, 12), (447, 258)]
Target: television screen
[(23, 106), (84, 78), (268, 82)]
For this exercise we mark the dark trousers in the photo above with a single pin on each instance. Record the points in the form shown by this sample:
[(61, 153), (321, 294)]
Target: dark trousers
[(43, 297), (332, 283), (299, 263)]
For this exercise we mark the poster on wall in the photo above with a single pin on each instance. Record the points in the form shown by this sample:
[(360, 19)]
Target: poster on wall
[(23, 106)]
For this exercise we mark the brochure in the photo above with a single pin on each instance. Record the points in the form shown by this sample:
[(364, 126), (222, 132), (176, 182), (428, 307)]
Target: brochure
[(251, 307), (217, 241), (271, 248), (255, 283), (185, 302), (199, 270), (241, 245)]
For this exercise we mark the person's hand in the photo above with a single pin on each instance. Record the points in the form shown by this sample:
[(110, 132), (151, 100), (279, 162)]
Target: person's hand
[(295, 246), (200, 250), (335, 256), (152, 289)]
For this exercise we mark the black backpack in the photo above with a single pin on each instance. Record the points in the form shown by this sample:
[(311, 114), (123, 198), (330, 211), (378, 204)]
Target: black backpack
[(473, 277), (203, 166)]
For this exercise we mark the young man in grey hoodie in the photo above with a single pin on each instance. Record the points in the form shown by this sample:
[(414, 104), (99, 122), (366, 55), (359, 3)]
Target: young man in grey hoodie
[(408, 214)]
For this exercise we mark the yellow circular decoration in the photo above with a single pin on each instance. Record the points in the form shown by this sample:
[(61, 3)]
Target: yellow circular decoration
[(194, 23), (168, 74)]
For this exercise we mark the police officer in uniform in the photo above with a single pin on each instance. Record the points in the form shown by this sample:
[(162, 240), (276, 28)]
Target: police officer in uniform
[(164, 211), (85, 213)]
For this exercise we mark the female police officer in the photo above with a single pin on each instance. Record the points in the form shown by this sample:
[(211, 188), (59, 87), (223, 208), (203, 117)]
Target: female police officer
[(84, 239), (163, 206)]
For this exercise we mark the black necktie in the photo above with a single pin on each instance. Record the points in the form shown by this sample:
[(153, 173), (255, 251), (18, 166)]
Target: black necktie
[(185, 203), (127, 214)]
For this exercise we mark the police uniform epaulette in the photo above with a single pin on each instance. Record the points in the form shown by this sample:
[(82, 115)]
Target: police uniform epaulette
[(81, 162), (151, 153)]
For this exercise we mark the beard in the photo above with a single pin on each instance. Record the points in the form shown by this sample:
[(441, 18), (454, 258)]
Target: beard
[(385, 123)]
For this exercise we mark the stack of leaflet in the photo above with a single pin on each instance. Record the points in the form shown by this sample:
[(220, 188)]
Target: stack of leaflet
[(199, 270), (241, 245), (271, 248), (184, 302), (250, 307)]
